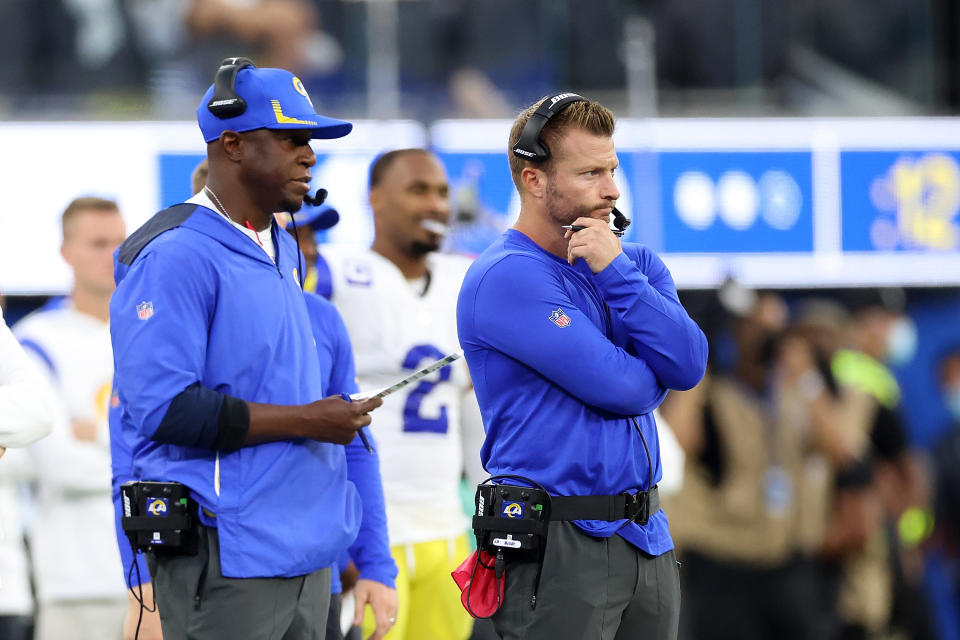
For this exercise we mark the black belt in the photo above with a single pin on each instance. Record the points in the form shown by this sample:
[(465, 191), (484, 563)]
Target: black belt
[(638, 507)]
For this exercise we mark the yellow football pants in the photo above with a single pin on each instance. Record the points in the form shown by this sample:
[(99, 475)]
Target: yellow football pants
[(429, 599)]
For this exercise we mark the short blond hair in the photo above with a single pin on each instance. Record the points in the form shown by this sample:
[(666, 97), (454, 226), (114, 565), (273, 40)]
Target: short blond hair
[(85, 203), (584, 114), (198, 179)]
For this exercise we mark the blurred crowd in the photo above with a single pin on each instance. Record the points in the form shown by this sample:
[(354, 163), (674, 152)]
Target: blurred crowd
[(804, 512), (802, 57)]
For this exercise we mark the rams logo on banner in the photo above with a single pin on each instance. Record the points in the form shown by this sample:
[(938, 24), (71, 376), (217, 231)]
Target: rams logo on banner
[(158, 507), (512, 510)]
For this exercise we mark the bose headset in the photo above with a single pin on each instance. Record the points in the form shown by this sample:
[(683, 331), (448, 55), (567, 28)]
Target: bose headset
[(226, 103), (530, 147)]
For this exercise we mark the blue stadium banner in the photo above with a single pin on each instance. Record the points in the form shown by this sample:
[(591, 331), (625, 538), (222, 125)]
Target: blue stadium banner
[(900, 200), (736, 201)]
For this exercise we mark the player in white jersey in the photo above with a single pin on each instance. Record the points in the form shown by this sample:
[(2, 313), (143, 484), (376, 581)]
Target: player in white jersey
[(26, 415), (80, 591), (398, 300)]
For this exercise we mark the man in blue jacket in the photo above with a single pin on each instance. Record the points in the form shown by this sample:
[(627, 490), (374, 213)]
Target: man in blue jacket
[(217, 372), (374, 570), (572, 339)]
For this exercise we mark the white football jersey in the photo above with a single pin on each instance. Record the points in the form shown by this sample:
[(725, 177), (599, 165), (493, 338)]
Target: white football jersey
[(395, 331), (74, 546)]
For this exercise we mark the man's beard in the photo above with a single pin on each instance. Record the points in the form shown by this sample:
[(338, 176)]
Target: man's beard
[(564, 211), (419, 248)]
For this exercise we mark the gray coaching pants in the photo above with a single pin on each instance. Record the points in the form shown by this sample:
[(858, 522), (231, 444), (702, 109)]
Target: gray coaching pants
[(196, 602), (591, 589)]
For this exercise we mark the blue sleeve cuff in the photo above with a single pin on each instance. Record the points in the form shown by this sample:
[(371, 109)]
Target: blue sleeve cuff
[(621, 271), (139, 575), (384, 573)]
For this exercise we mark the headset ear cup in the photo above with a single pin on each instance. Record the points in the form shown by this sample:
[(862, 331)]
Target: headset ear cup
[(530, 146), (227, 111), (542, 150), (225, 102)]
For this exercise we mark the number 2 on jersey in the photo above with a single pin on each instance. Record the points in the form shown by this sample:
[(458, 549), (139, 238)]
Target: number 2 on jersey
[(412, 420)]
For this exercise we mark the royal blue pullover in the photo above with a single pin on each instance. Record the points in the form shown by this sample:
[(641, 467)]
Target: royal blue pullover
[(200, 316), (568, 366)]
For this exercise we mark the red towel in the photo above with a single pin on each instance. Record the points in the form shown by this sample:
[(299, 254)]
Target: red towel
[(481, 592)]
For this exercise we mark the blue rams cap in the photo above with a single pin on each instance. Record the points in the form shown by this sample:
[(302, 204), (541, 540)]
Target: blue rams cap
[(276, 99), (317, 218)]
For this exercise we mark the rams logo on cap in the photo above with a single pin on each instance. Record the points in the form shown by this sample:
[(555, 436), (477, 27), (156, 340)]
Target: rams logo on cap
[(158, 507), (298, 85), (512, 510)]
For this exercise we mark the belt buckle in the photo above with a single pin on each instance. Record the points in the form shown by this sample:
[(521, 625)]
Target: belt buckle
[(638, 507)]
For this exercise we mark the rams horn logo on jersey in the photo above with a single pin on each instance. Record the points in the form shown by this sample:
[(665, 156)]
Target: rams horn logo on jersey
[(559, 318), (158, 507), (512, 510)]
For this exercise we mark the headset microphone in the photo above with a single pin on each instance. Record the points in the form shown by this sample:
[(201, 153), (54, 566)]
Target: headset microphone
[(314, 201), (321, 195), (620, 221)]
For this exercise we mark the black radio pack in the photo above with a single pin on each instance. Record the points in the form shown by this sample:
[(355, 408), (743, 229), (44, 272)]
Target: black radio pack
[(510, 518), (160, 517)]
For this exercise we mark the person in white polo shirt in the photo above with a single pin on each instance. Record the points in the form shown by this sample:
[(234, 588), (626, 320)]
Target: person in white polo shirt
[(26, 414)]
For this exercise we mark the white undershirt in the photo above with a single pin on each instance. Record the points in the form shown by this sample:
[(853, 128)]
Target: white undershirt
[(263, 239)]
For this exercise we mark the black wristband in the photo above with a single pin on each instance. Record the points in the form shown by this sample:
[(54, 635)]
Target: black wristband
[(233, 424)]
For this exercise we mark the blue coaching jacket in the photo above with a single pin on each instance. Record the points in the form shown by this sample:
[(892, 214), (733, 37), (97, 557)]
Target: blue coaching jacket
[(198, 303)]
